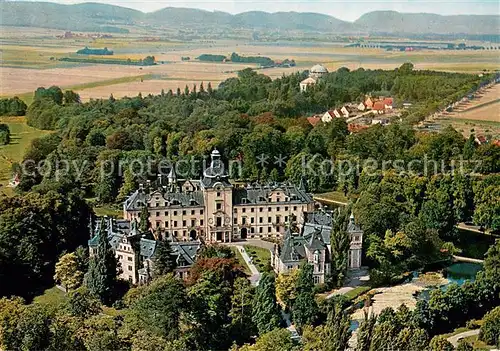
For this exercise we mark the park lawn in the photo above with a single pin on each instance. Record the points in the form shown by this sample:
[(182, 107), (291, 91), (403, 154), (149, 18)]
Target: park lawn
[(21, 137), (51, 298), (241, 261), (260, 256), (478, 344), (356, 292), (108, 210), (334, 196)]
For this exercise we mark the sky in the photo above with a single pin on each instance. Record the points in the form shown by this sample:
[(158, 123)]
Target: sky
[(345, 10)]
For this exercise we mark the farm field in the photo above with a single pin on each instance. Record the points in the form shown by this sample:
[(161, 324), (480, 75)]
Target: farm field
[(485, 107), (29, 59), (21, 137)]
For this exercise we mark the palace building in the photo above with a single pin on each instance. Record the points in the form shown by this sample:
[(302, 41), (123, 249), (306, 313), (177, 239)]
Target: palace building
[(212, 209)]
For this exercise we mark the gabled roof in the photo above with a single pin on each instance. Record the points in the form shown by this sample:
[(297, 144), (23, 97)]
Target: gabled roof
[(292, 249), (315, 241), (186, 252), (313, 120), (388, 101), (148, 247), (308, 81), (378, 106)]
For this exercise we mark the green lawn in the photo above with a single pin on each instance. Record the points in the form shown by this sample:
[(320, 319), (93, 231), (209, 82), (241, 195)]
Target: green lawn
[(333, 196), (108, 210), (241, 261), (51, 299), (260, 256), (358, 291), (21, 137)]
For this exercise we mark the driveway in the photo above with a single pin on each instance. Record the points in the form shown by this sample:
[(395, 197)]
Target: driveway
[(456, 338)]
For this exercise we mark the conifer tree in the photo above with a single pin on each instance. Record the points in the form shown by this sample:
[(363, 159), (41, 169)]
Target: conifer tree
[(144, 220), (266, 314), (340, 243), (365, 332), (164, 259), (101, 276), (305, 308)]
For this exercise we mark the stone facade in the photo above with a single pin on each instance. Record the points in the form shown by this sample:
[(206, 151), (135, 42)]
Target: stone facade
[(212, 209), (135, 253), (312, 244)]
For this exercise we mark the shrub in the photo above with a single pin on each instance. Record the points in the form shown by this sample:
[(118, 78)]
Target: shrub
[(472, 324), (490, 330)]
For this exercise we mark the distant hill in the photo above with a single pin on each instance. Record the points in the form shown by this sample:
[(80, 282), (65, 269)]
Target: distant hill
[(424, 23), (100, 17), (91, 17)]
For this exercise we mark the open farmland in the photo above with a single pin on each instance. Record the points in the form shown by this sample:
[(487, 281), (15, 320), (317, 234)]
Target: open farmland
[(30, 58), (479, 116), (485, 107)]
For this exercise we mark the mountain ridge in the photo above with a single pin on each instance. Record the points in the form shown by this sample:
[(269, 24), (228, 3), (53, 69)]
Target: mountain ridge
[(100, 17)]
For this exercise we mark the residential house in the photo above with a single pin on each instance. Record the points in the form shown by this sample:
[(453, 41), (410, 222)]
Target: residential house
[(306, 83), (345, 112), (361, 106), (313, 120), (369, 103), (379, 107), (388, 102), (315, 73)]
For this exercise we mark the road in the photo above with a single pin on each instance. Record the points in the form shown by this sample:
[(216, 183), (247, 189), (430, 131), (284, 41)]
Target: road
[(456, 338)]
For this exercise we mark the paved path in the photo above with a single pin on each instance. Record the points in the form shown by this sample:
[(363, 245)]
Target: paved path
[(456, 338), (253, 242), (467, 259), (255, 277)]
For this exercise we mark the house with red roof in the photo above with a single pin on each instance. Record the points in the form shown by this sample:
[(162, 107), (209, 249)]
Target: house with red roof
[(313, 120), (379, 107), (388, 103)]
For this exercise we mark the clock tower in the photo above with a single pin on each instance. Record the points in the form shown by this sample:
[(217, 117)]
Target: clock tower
[(218, 198)]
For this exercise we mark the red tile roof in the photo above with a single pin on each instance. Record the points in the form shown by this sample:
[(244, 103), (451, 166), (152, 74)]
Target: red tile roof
[(388, 101), (379, 105), (313, 120), (354, 128)]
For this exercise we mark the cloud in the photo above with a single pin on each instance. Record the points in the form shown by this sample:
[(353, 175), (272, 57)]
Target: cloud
[(346, 10)]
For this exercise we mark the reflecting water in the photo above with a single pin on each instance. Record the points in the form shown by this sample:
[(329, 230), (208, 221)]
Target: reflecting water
[(457, 273)]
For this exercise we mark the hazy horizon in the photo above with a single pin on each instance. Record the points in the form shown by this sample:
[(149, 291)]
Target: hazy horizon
[(344, 10)]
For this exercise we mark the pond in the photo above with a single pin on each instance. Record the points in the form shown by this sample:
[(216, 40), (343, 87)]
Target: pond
[(457, 273), (354, 325)]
